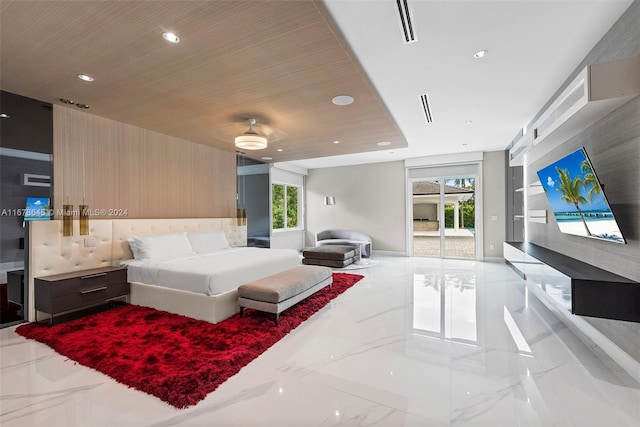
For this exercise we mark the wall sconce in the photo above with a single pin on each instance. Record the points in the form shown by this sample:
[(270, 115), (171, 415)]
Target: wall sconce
[(329, 200), (67, 220)]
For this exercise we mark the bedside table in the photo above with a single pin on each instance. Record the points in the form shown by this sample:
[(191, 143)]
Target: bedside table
[(79, 289)]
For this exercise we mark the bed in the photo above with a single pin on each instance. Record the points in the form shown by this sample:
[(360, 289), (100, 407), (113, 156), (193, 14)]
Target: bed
[(197, 274), (52, 253), (211, 273)]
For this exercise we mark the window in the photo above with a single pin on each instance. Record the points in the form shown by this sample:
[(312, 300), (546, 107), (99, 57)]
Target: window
[(285, 203)]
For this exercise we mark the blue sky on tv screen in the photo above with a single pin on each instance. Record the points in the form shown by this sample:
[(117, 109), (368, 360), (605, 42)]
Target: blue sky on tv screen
[(37, 208), (550, 180)]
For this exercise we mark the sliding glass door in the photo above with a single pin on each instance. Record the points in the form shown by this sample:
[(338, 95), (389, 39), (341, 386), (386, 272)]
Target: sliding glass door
[(444, 217)]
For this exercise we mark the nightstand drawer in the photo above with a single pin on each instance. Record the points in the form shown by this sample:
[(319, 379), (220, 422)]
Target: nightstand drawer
[(87, 283), (85, 298)]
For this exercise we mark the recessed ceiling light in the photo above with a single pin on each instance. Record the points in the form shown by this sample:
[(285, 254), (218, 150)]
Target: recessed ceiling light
[(336, 142), (67, 101), (83, 106), (4, 115), (383, 143), (171, 37), (85, 77), (480, 54), (468, 122), (464, 145), (266, 158), (280, 149), (342, 100)]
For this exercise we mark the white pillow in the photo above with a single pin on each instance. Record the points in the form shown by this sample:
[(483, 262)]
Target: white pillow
[(163, 246), (212, 241), (137, 253)]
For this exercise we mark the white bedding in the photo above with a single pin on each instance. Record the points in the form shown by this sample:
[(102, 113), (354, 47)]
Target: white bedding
[(211, 273)]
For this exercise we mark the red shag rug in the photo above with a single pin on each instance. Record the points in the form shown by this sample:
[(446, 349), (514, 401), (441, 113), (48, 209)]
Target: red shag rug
[(175, 358)]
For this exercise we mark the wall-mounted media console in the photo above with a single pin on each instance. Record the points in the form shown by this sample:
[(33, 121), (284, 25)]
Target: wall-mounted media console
[(579, 287)]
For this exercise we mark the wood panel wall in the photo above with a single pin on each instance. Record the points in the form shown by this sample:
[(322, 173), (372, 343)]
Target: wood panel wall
[(116, 166)]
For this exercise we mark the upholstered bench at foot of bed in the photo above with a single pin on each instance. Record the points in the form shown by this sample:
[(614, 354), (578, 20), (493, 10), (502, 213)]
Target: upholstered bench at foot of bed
[(337, 256), (276, 293)]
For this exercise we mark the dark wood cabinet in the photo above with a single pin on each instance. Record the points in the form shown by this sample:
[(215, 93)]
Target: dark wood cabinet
[(79, 289), (579, 287)]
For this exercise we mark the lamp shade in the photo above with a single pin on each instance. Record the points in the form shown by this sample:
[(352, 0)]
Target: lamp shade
[(67, 220), (84, 220), (249, 141), (329, 200)]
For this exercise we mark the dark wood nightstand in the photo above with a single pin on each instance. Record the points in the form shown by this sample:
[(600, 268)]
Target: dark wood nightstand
[(79, 289)]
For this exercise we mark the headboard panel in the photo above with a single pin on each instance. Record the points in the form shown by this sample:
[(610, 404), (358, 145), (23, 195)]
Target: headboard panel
[(51, 253)]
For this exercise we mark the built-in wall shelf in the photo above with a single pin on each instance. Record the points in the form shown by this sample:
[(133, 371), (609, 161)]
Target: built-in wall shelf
[(537, 215), (535, 188), (594, 93), (579, 287)]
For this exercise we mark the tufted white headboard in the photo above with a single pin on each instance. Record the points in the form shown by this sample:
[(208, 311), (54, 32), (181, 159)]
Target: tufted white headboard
[(51, 253)]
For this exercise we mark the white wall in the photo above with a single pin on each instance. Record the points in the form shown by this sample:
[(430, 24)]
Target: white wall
[(369, 198), (287, 239), (494, 202)]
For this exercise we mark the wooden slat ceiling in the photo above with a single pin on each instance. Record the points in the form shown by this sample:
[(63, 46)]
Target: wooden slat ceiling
[(279, 61)]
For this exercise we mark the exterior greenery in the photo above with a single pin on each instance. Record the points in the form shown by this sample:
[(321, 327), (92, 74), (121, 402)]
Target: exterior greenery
[(292, 207), (467, 218), (277, 206), (467, 208), (280, 192)]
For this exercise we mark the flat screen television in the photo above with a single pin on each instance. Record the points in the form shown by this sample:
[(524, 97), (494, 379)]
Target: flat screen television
[(38, 209), (577, 198)]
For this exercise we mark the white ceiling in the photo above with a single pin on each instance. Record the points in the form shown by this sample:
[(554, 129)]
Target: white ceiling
[(533, 47)]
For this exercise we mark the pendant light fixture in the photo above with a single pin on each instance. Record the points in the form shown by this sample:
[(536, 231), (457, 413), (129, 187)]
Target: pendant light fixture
[(67, 220), (250, 140), (84, 219), (84, 209), (67, 208)]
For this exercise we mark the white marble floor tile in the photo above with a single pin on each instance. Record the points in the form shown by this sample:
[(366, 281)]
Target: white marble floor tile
[(418, 342)]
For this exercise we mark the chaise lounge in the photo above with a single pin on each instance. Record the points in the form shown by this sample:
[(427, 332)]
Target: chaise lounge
[(345, 237)]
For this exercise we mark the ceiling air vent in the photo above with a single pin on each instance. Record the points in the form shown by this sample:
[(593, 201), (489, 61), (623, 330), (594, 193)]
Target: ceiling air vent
[(426, 108), (406, 22)]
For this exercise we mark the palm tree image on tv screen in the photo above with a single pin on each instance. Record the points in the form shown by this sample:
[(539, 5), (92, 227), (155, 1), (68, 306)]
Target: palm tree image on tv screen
[(577, 199)]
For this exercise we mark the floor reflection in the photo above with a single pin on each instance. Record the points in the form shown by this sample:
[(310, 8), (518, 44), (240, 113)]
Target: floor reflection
[(445, 306)]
